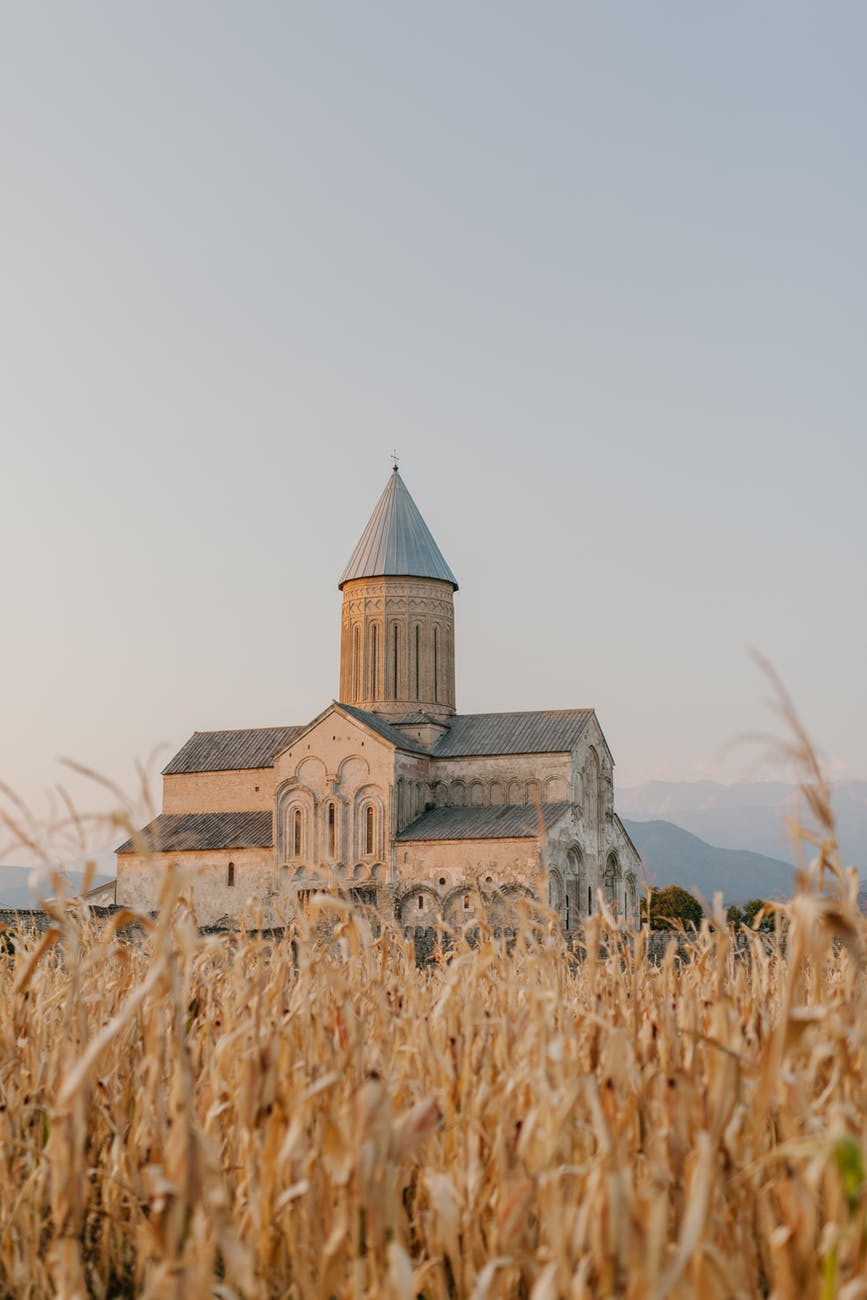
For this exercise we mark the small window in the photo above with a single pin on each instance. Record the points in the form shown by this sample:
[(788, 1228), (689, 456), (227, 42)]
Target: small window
[(332, 831), (230, 875), (296, 834), (368, 831), (421, 902), (589, 901), (466, 902)]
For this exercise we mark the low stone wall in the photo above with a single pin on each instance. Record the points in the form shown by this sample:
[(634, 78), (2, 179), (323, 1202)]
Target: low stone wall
[(35, 920), (428, 940), (19, 918)]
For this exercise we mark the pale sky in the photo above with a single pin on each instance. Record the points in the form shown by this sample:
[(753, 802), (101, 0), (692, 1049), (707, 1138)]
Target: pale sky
[(598, 273)]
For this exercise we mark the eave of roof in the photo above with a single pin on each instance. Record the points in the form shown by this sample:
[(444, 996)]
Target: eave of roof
[(498, 822), (188, 832), (227, 751), (629, 840), (476, 735)]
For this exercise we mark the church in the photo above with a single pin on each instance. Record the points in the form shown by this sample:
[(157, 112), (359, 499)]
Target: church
[(390, 794)]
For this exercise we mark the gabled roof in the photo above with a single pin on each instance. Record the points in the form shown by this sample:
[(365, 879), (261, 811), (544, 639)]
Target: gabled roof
[(552, 731), (175, 832), (374, 722), (469, 734), (501, 822), (226, 751), (397, 541), (371, 721)]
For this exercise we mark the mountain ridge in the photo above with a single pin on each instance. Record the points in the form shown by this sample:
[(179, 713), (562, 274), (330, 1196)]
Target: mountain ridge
[(16, 891), (674, 856), (748, 814)]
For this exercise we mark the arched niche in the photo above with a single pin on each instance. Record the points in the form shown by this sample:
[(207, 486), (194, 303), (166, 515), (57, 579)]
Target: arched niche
[(611, 879), (295, 810), (419, 905), (556, 790), (311, 772)]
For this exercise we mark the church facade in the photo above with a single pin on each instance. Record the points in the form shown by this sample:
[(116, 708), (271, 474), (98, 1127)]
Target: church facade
[(390, 794)]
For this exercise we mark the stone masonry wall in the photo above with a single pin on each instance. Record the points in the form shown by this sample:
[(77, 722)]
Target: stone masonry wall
[(236, 791), (140, 876)]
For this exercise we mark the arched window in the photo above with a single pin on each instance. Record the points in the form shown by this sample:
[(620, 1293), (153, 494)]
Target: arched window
[(332, 831), (417, 662), (394, 694), (296, 833), (368, 830), (374, 660), (436, 664), (589, 901), (612, 881), (356, 664), (230, 875)]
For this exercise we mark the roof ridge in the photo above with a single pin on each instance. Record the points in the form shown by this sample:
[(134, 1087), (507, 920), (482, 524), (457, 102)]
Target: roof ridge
[(221, 731), (511, 713)]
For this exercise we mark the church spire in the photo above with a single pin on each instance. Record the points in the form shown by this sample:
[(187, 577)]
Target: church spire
[(397, 542), (397, 644)]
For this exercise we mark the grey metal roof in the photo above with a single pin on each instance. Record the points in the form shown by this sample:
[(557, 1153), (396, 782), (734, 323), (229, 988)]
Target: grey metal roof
[(519, 821), (384, 729), (175, 832), (397, 541), (553, 731), (226, 751)]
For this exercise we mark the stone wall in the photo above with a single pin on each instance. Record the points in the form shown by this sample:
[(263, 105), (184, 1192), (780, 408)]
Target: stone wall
[(500, 779), (236, 791), (420, 611), (140, 877)]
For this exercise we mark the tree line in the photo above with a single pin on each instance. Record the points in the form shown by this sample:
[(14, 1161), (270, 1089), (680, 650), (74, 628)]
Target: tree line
[(667, 908)]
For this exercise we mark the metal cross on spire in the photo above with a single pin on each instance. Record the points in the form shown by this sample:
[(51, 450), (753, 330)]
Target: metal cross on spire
[(394, 459)]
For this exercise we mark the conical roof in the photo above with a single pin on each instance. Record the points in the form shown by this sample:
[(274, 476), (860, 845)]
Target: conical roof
[(397, 542)]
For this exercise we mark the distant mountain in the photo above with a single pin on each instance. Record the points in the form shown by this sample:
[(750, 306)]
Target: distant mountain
[(675, 857), (748, 814), (15, 889)]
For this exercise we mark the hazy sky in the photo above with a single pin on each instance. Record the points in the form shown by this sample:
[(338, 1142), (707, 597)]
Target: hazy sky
[(597, 271)]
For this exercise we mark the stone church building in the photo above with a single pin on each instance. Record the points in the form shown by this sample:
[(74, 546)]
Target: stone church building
[(390, 794)]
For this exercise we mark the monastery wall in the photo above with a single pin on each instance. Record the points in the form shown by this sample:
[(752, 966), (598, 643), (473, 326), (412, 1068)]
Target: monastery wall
[(501, 779), (237, 791), (324, 787), (457, 882), (140, 878), (494, 863)]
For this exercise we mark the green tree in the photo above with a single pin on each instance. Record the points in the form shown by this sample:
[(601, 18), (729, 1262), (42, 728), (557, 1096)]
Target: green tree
[(670, 905), (751, 910)]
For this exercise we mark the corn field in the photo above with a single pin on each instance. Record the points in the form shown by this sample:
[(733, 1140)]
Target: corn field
[(311, 1114)]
